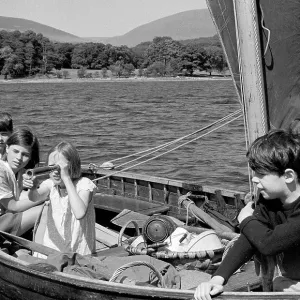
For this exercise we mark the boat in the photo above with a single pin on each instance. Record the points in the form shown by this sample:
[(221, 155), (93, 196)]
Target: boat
[(260, 39)]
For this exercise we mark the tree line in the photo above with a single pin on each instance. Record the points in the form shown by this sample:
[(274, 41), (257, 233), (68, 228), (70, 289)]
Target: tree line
[(26, 53)]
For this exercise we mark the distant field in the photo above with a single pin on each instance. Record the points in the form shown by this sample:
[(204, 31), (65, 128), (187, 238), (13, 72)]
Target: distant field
[(72, 74)]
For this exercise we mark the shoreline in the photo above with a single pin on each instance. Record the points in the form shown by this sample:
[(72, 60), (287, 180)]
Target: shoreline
[(133, 79)]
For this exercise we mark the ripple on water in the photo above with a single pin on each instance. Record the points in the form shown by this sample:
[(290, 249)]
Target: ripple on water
[(109, 120)]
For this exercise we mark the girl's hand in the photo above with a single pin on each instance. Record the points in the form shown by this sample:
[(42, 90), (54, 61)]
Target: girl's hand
[(205, 290), (30, 182), (64, 169)]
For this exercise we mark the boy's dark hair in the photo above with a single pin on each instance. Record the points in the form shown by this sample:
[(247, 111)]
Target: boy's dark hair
[(24, 137), (6, 122), (275, 152)]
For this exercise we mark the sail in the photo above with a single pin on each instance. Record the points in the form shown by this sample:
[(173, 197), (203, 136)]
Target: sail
[(279, 29)]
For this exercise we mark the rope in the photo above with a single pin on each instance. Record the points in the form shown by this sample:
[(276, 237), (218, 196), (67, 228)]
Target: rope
[(157, 148), (173, 254), (113, 173), (190, 202), (229, 245), (123, 229), (265, 28), (134, 264)]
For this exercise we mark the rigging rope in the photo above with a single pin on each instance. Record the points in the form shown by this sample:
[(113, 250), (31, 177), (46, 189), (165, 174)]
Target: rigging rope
[(157, 148), (194, 139)]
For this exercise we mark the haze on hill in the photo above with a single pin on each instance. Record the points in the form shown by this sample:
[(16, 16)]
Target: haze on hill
[(181, 26)]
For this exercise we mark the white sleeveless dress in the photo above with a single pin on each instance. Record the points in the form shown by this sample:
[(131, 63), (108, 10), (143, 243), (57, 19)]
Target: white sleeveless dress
[(63, 231)]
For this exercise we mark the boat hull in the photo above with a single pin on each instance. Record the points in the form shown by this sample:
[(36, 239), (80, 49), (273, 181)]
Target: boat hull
[(19, 282)]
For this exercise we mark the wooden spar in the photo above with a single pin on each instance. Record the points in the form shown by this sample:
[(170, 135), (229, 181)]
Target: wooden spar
[(251, 72)]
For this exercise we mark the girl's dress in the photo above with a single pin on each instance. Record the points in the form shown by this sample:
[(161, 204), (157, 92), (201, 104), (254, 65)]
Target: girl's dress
[(10, 187), (63, 231)]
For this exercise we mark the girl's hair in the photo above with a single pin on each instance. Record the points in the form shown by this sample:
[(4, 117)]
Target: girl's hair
[(24, 137), (72, 155), (6, 123)]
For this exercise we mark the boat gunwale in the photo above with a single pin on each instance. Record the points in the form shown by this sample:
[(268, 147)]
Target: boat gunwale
[(111, 287), (161, 180)]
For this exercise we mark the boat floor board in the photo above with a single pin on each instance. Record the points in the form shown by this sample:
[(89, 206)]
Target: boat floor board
[(245, 280)]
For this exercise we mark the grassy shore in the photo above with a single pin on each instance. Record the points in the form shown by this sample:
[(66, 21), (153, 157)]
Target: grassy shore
[(72, 77)]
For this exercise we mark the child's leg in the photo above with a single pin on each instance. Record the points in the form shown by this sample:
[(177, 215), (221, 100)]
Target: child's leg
[(28, 219)]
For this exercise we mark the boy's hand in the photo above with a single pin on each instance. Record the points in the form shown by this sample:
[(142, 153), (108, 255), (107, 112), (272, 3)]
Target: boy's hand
[(213, 287), (247, 211)]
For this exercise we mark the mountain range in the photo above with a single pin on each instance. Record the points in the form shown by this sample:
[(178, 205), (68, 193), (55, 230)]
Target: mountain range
[(190, 24)]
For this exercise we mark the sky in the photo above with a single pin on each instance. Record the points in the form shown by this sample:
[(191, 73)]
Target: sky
[(96, 18)]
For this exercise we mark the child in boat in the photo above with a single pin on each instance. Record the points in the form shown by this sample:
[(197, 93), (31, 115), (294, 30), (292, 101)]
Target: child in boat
[(70, 224), (17, 212), (6, 129), (273, 226)]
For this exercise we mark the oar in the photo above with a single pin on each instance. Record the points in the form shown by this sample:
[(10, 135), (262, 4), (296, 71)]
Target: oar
[(28, 244)]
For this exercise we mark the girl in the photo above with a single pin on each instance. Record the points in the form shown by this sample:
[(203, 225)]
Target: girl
[(17, 212), (70, 224)]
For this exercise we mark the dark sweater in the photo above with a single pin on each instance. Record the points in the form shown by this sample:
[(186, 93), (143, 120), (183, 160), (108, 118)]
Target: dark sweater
[(273, 229)]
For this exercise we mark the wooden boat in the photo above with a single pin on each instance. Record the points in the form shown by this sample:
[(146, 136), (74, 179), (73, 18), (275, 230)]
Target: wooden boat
[(259, 41)]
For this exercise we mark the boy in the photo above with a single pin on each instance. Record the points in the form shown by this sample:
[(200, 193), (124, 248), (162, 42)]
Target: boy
[(6, 129), (273, 226)]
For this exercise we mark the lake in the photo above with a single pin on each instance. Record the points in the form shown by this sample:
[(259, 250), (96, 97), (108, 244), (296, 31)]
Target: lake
[(106, 120)]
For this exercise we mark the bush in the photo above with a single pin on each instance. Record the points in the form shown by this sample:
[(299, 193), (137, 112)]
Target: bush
[(65, 74), (81, 73)]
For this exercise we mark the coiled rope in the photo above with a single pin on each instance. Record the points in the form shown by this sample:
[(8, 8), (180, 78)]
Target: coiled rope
[(236, 116), (134, 264)]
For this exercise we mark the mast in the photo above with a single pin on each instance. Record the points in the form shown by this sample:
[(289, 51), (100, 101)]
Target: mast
[(251, 72)]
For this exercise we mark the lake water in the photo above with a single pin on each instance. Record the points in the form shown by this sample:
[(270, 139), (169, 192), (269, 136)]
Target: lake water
[(111, 119)]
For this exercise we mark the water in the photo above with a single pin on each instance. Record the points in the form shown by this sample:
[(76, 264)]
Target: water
[(107, 120)]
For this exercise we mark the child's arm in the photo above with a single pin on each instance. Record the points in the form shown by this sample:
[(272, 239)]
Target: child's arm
[(79, 201), (240, 253), (37, 192), (8, 200), (270, 241)]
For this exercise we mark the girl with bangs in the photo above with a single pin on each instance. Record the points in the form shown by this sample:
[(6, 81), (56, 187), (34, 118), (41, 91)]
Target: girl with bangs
[(70, 224), (20, 152)]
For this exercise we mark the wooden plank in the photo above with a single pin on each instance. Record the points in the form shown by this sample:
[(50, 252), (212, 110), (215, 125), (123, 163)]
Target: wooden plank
[(107, 236), (127, 215)]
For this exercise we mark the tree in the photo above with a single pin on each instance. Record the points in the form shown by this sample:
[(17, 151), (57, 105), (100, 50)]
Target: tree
[(117, 69), (29, 56), (128, 69), (104, 72), (157, 69), (81, 72), (193, 58), (215, 59), (163, 49), (65, 74)]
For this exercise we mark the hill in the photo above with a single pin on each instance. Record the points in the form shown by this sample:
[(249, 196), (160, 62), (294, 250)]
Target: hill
[(190, 24), (186, 25), (12, 24)]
